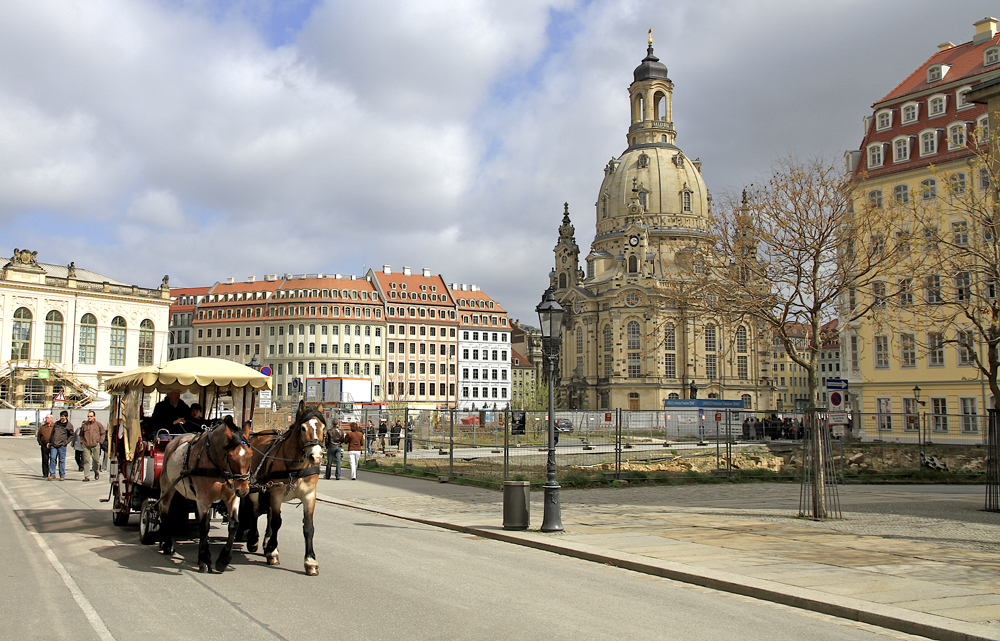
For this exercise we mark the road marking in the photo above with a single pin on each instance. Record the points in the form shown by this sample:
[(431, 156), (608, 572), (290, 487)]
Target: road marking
[(96, 622)]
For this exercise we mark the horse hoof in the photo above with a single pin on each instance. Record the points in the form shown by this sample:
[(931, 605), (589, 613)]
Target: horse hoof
[(203, 568), (167, 551), (272, 559), (251, 547), (220, 567), (312, 570)]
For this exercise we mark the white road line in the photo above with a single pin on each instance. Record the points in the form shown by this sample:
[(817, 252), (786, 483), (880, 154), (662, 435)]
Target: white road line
[(93, 617)]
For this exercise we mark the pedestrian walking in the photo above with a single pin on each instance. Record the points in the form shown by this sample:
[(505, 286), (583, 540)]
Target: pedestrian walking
[(394, 433), (383, 429), (370, 437), (409, 436), (92, 434), (332, 440), (42, 435), (77, 449), (355, 440), (62, 436)]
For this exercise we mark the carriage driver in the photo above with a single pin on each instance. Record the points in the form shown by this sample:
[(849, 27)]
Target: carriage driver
[(171, 413)]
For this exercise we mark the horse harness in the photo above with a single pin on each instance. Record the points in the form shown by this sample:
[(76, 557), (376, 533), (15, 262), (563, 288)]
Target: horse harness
[(213, 458), (270, 478)]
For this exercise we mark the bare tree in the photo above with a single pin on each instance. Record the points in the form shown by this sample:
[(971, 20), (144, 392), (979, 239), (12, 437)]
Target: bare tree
[(792, 255)]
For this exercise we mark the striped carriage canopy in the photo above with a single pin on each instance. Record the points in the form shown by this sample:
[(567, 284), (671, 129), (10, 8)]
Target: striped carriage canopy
[(189, 374)]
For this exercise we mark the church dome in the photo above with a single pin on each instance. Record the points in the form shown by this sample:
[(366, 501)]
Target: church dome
[(650, 68)]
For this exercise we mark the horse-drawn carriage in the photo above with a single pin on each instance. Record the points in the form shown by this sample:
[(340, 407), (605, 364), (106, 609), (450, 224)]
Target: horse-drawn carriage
[(164, 471)]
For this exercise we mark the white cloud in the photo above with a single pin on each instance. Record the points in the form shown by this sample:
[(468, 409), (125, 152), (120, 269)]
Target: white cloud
[(442, 134)]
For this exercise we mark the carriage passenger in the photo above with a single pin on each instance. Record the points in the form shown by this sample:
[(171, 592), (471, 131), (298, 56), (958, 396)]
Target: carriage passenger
[(196, 421), (171, 413)]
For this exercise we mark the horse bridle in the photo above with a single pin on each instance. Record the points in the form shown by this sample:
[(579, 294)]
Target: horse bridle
[(214, 458)]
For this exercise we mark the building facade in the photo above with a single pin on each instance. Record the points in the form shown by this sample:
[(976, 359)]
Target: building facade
[(628, 339), (229, 321), (183, 304), (918, 156), (67, 329), (421, 357), (484, 359), (325, 326)]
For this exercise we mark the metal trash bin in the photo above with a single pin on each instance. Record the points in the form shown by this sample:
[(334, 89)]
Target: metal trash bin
[(516, 505)]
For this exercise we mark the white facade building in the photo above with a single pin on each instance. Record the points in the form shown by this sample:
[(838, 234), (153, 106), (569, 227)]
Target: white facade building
[(64, 329), (484, 353)]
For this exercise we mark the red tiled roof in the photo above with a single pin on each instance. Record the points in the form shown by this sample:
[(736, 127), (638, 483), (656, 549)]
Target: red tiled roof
[(966, 61)]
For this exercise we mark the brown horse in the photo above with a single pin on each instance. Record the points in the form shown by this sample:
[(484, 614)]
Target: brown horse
[(208, 467), (285, 467)]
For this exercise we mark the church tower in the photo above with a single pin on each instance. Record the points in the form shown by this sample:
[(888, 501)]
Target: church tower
[(628, 339), (566, 272)]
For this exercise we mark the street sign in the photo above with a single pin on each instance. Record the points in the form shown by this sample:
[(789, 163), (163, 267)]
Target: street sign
[(837, 418), (266, 371), (60, 397), (43, 373), (836, 383), (607, 417), (264, 399), (836, 400), (718, 416)]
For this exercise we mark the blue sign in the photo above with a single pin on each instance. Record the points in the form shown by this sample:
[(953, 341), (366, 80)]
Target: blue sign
[(836, 399), (266, 371), (701, 403), (836, 383)]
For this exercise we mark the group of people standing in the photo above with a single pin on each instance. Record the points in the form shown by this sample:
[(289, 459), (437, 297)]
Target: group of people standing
[(357, 441), (89, 441)]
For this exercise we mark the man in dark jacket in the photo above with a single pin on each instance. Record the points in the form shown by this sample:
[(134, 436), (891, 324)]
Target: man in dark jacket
[(43, 435), (394, 433), (62, 435), (383, 429), (92, 434), (332, 441)]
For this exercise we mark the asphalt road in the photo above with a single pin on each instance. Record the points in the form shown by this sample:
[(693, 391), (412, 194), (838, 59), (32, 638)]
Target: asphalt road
[(67, 573)]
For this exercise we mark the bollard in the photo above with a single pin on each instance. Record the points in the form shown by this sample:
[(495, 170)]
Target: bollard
[(516, 505)]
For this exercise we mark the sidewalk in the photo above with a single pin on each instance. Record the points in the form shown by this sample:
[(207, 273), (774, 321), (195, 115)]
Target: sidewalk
[(923, 560)]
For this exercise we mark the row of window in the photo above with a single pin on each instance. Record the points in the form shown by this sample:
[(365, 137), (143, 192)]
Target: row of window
[(52, 345), (422, 348), (425, 389), (956, 184), (497, 355), (230, 350), (302, 310), (501, 337), (360, 369), (937, 414), (497, 375), (937, 105), (425, 368), (333, 349), (207, 333), (928, 141), (933, 291), (934, 352), (634, 338), (488, 392)]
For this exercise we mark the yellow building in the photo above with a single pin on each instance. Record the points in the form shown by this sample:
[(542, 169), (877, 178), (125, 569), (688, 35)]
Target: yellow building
[(918, 158)]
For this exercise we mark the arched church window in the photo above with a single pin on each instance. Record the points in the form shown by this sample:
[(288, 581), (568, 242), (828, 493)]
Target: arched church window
[(604, 207), (663, 138), (579, 340), (669, 338), (686, 201), (632, 331), (562, 280), (710, 343), (660, 106), (608, 338), (747, 402), (741, 340), (633, 264), (639, 112), (642, 198)]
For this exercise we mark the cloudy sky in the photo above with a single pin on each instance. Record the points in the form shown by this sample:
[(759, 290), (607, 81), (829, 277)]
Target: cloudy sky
[(211, 138)]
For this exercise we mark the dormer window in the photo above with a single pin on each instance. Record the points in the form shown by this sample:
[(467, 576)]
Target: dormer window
[(956, 135), (991, 56), (928, 142), (901, 149), (883, 120), (875, 155), (909, 112), (686, 201), (961, 98), (937, 72), (936, 105)]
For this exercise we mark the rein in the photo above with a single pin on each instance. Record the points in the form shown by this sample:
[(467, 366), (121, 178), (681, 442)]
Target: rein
[(265, 481)]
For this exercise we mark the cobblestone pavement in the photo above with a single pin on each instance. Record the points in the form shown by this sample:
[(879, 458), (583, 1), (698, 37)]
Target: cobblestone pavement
[(929, 554)]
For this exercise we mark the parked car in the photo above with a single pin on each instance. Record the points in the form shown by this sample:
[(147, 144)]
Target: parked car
[(563, 425)]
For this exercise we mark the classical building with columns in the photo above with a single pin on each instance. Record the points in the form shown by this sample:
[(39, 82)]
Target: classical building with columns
[(65, 329), (629, 340)]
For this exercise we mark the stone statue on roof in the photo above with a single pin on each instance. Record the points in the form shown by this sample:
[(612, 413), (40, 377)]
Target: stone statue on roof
[(71, 270), (25, 257)]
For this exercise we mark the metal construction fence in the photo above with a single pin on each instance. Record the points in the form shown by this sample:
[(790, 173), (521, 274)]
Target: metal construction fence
[(638, 444)]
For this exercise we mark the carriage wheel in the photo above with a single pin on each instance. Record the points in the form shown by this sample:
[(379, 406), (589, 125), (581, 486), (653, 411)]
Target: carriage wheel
[(149, 522), (119, 508)]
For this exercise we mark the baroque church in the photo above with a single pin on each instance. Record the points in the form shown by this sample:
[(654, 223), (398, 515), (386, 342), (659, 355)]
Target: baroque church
[(629, 340)]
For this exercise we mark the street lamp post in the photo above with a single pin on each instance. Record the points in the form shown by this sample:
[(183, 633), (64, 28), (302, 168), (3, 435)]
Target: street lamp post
[(550, 316), (921, 421)]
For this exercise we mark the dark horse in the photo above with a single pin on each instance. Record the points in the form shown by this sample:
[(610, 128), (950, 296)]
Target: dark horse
[(285, 467), (208, 467)]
